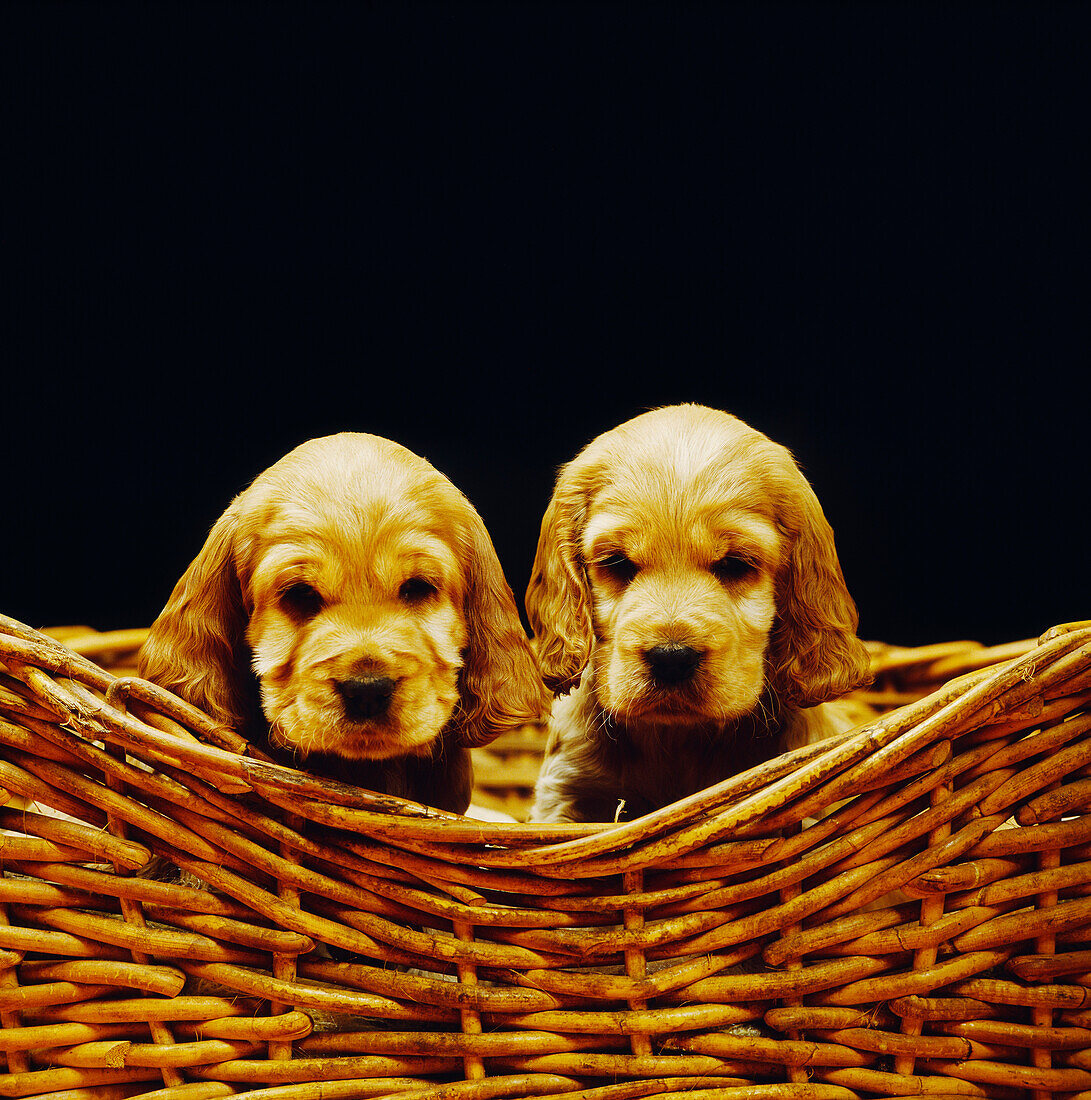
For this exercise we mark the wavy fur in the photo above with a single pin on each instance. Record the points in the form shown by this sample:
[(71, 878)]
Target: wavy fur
[(683, 527), (352, 558)]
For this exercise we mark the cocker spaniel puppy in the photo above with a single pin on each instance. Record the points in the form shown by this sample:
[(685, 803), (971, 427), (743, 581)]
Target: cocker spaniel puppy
[(349, 614), (687, 597)]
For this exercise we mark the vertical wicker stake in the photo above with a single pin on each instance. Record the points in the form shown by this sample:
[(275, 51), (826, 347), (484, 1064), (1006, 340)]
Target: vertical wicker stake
[(924, 958), (635, 964), (284, 966), (1042, 1015), (9, 979), (118, 696), (473, 1066), (796, 1074)]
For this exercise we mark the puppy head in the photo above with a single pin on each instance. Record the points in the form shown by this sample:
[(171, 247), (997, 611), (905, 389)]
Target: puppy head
[(685, 559), (350, 601)]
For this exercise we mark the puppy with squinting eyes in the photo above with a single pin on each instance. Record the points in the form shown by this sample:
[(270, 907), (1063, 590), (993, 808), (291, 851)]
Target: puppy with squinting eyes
[(689, 609), (348, 612)]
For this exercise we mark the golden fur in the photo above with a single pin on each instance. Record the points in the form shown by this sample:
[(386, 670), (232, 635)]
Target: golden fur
[(687, 594), (348, 611)]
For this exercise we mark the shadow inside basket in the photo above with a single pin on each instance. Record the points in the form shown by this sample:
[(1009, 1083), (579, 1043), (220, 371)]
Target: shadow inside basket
[(902, 910)]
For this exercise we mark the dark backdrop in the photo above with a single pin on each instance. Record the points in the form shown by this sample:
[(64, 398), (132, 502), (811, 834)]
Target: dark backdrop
[(491, 231)]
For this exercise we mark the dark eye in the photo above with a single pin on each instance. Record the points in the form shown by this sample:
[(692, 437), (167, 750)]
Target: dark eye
[(618, 567), (416, 589), (731, 567), (301, 601)]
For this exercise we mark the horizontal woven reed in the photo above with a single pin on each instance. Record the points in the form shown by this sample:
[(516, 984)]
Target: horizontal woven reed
[(903, 911)]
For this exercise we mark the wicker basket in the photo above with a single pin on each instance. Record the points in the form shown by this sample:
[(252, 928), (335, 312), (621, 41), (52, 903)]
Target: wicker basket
[(904, 911)]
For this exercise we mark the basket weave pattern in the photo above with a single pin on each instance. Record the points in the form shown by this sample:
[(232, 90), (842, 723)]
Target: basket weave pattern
[(903, 911)]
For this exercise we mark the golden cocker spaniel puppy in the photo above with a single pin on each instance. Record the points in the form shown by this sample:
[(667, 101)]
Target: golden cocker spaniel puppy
[(687, 597), (349, 613)]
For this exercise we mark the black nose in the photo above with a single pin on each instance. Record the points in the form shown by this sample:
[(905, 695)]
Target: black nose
[(672, 663), (366, 696)]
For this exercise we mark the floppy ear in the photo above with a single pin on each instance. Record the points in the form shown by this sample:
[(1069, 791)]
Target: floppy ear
[(814, 652), (499, 688), (197, 646), (558, 597)]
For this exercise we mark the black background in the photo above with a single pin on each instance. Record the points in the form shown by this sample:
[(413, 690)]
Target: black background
[(491, 231)]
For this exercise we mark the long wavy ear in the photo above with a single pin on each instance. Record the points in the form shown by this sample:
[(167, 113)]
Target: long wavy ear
[(814, 652), (197, 646), (499, 688), (558, 600)]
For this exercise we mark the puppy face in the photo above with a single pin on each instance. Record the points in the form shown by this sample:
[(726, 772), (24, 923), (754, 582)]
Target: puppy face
[(686, 561), (357, 643), (683, 595), (349, 603)]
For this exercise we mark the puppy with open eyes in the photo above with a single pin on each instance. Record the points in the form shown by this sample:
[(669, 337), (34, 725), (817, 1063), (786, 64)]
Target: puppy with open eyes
[(689, 609), (348, 612)]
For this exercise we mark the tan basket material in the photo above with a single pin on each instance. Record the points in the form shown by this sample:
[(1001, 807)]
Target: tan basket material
[(903, 911)]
